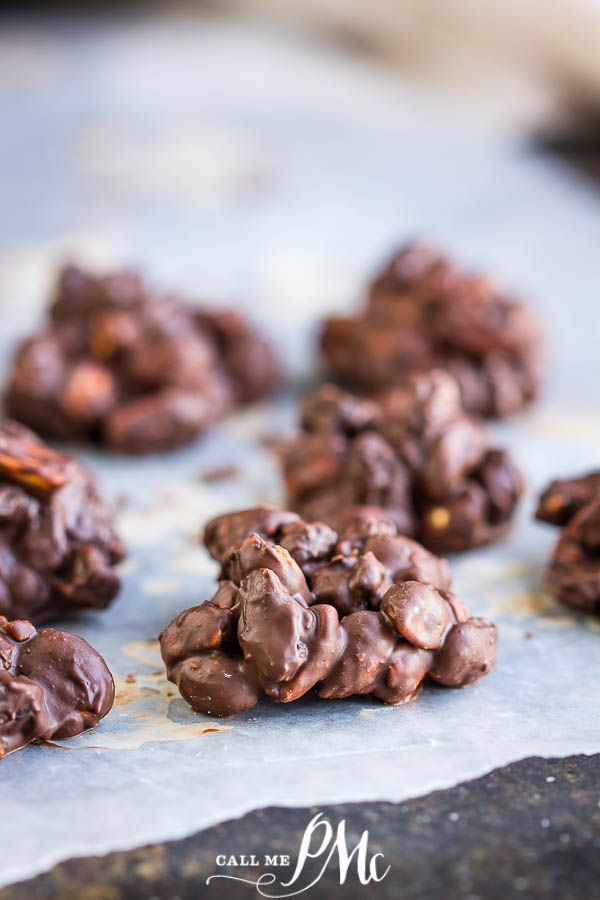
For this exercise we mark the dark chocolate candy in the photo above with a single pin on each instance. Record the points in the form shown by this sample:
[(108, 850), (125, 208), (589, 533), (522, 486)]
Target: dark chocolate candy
[(423, 312), (139, 371), (301, 607), (415, 455), (573, 573), (53, 685), (57, 543), (563, 498)]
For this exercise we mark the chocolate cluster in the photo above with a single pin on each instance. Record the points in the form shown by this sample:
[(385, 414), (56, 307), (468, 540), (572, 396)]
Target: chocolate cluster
[(52, 685), (573, 573), (423, 312), (136, 370), (301, 607), (57, 543), (414, 455)]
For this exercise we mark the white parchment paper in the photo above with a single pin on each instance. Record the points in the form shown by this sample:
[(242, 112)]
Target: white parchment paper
[(154, 769), (286, 186)]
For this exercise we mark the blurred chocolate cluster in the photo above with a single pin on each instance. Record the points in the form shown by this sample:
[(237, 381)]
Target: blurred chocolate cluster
[(136, 370), (573, 573), (52, 685), (301, 607), (422, 312), (414, 453), (57, 543)]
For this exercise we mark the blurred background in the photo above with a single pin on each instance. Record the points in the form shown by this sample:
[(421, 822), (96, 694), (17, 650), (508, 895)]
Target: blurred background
[(271, 153)]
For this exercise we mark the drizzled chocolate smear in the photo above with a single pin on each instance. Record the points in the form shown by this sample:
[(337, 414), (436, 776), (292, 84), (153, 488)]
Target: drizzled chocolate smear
[(413, 457), (53, 685), (136, 370), (423, 312), (301, 607), (573, 573), (57, 543)]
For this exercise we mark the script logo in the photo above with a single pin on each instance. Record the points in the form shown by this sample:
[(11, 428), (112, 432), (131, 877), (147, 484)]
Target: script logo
[(330, 845)]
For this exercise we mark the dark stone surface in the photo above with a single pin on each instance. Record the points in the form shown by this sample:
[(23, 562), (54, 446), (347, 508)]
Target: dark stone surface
[(529, 830)]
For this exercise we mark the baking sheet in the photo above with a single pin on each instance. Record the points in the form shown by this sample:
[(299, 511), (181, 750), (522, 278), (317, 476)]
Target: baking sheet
[(273, 218)]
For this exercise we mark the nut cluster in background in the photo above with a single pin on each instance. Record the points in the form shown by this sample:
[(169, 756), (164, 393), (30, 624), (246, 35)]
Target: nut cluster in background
[(415, 453), (423, 311), (136, 370)]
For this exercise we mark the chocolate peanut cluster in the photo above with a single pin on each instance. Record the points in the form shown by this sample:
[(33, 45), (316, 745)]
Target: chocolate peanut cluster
[(57, 543), (573, 573), (135, 370), (414, 455), (52, 685), (301, 607), (423, 312)]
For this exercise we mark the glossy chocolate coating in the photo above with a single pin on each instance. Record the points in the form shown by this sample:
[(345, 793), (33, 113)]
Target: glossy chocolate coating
[(363, 611), (138, 371), (573, 573), (53, 685), (57, 543), (423, 312), (414, 455)]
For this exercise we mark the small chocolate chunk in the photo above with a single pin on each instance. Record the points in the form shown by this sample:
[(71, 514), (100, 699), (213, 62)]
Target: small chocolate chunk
[(406, 560), (315, 462), (267, 607), (309, 544), (407, 668), (162, 420), (331, 584), (333, 410), (462, 522), (362, 666), (199, 628), (256, 553), (468, 652), (368, 580), (229, 530), (23, 715), (419, 613), (563, 498), (357, 523), (217, 683)]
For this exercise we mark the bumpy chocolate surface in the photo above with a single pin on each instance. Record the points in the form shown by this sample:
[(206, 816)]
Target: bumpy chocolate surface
[(138, 371), (301, 607), (52, 685), (414, 455), (573, 573), (57, 543), (423, 312)]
